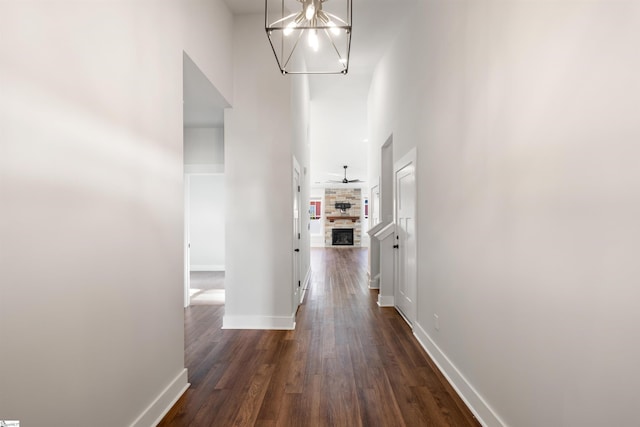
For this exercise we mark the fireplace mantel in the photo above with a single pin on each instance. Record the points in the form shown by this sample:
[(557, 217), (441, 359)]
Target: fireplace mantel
[(343, 217)]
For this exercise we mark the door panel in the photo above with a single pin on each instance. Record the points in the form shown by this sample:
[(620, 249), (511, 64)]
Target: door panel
[(296, 235), (406, 274)]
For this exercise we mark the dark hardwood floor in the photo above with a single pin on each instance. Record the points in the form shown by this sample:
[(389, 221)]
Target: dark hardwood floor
[(348, 363)]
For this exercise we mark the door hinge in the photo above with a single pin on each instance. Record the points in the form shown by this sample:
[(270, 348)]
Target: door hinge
[(298, 236), (298, 188), (299, 283)]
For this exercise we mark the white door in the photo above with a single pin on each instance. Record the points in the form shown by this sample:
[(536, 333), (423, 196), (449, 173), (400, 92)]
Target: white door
[(296, 234), (405, 218)]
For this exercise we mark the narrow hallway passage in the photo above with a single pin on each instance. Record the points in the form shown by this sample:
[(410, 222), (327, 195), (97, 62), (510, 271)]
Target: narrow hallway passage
[(348, 363)]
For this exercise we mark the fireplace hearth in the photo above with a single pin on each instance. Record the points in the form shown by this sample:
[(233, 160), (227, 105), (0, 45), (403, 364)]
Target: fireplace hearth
[(342, 237)]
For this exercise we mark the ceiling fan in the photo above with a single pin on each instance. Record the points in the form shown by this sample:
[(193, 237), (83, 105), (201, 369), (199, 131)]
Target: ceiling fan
[(345, 180)]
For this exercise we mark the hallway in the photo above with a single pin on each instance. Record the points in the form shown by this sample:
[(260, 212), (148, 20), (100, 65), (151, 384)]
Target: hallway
[(348, 363)]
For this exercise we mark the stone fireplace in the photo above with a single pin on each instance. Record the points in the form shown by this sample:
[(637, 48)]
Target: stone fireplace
[(342, 219)]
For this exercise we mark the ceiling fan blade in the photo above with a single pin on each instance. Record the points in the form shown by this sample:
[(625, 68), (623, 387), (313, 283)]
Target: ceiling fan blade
[(345, 180)]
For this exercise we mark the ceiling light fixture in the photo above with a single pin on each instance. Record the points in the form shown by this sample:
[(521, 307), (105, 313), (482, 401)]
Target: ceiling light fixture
[(326, 25)]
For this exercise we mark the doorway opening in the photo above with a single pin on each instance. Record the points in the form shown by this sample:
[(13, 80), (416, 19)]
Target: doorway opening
[(204, 228), (206, 225)]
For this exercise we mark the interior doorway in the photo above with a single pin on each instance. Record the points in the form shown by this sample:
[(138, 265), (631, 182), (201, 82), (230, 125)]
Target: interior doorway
[(405, 244), (206, 228), (203, 152), (297, 226)]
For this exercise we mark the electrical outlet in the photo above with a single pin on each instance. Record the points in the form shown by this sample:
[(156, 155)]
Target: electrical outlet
[(436, 322)]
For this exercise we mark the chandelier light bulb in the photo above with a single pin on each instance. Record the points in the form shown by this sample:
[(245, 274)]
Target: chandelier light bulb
[(334, 30), (290, 27), (310, 12), (314, 43)]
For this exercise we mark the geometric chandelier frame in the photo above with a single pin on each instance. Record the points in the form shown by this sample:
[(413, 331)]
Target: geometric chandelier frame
[(310, 36)]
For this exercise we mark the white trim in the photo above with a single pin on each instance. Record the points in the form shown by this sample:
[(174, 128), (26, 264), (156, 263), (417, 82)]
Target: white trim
[(376, 228), (287, 323), (187, 245), (386, 301), (305, 284), (374, 283), (207, 267), (480, 408), (164, 402), (205, 169), (385, 231)]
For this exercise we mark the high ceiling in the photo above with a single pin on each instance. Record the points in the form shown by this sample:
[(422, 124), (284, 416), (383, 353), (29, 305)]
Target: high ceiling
[(339, 116), (375, 23)]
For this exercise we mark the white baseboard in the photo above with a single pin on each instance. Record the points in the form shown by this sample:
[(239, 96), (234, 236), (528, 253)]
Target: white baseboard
[(259, 322), (483, 412), (207, 267), (386, 301), (161, 405)]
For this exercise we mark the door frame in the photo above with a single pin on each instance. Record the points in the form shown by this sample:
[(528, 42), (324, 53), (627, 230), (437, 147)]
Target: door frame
[(409, 158), (374, 205), (187, 243), (296, 233)]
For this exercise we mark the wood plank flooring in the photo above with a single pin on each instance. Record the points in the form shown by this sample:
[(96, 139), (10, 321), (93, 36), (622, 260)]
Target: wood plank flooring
[(348, 363)]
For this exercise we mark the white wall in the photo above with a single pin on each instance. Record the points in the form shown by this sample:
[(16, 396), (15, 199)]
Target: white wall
[(259, 143), (524, 115), (339, 128), (208, 40), (204, 166), (206, 222), (91, 196), (204, 146)]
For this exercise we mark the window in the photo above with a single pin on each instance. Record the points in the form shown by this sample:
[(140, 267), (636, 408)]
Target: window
[(315, 209)]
